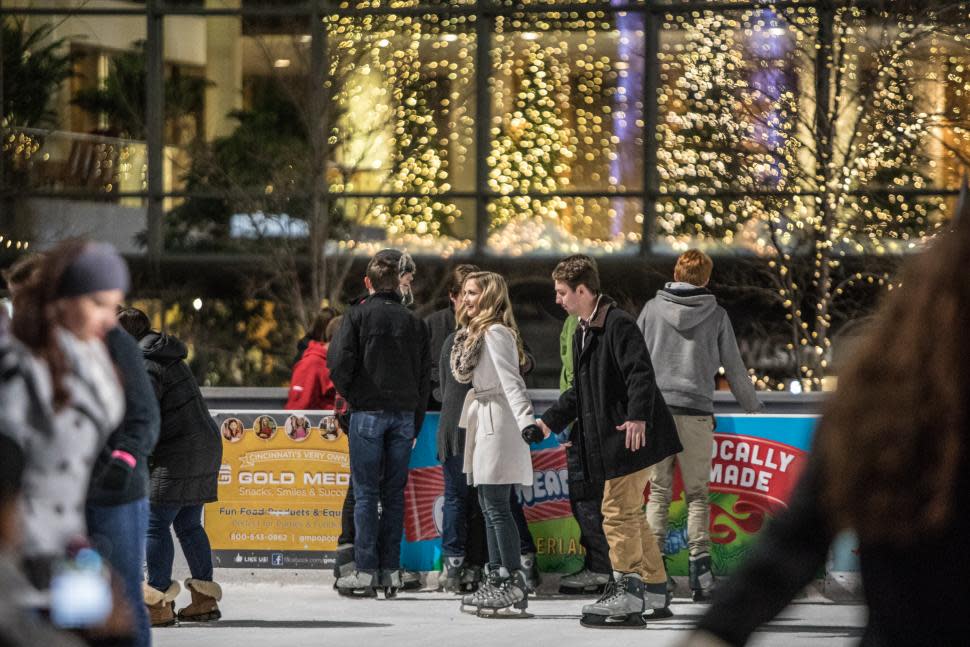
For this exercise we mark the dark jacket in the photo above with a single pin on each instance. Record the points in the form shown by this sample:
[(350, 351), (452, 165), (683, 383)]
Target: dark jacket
[(186, 461), (139, 430), (379, 358), (441, 324), (793, 549), (613, 382), (451, 439)]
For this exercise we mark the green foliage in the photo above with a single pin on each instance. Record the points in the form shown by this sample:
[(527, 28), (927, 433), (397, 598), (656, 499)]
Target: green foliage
[(34, 66), (263, 166), (123, 98)]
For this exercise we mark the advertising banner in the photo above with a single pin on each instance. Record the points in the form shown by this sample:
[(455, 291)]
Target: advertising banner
[(284, 477), (755, 463), (282, 483)]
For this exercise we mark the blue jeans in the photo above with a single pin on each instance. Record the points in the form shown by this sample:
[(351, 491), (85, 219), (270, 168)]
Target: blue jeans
[(500, 527), (454, 530), (118, 533), (380, 450), (187, 521)]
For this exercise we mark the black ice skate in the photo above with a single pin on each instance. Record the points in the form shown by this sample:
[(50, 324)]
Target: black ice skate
[(620, 607), (511, 598), (656, 599), (390, 583), (344, 566), (531, 569), (701, 577), (584, 582), (451, 575), (471, 579)]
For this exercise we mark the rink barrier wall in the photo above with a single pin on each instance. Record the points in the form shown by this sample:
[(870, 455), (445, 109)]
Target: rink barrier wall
[(280, 497)]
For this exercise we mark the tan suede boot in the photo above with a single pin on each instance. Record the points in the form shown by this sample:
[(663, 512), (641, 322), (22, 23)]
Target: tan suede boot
[(205, 595), (161, 605)]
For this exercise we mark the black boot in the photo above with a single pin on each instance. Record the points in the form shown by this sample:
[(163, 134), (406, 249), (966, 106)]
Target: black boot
[(701, 577)]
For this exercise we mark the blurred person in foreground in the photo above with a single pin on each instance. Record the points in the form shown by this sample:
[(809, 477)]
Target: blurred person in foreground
[(62, 398), (20, 625), (892, 464)]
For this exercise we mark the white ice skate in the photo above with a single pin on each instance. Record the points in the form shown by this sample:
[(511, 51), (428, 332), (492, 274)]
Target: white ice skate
[(620, 607), (490, 587), (583, 582), (511, 598)]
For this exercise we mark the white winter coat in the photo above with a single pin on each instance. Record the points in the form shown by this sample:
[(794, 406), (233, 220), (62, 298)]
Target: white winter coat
[(495, 412)]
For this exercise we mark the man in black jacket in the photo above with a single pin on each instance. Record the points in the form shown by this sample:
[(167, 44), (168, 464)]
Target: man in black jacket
[(380, 362), (622, 428)]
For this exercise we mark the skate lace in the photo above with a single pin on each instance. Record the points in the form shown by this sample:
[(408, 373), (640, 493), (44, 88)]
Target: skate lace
[(485, 591), (612, 591)]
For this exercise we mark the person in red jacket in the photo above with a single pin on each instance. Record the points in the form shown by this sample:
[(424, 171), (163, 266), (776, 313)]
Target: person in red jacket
[(310, 384)]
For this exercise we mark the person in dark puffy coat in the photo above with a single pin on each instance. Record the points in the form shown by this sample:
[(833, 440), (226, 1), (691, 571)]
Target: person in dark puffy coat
[(184, 469)]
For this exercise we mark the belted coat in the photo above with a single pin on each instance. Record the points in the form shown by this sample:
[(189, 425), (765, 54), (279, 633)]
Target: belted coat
[(496, 410)]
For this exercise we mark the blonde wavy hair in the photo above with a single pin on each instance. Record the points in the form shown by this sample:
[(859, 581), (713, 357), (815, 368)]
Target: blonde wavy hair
[(494, 307)]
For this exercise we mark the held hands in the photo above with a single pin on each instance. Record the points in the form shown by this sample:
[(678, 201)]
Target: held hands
[(546, 431), (636, 434), (533, 434)]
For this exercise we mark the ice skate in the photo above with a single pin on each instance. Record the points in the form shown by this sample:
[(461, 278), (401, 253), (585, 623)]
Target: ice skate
[(451, 574), (344, 566), (472, 601), (531, 569), (583, 582), (471, 579), (656, 600), (511, 598), (205, 598), (390, 583), (701, 577), (360, 584), (410, 580), (620, 607)]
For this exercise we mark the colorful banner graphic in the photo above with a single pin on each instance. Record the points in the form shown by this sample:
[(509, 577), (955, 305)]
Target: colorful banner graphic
[(282, 483), (281, 490), (755, 463)]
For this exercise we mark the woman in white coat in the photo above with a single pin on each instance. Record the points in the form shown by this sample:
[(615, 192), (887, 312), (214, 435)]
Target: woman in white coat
[(487, 353)]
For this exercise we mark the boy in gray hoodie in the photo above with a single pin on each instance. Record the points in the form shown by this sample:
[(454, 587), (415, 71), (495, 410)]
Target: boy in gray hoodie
[(689, 338)]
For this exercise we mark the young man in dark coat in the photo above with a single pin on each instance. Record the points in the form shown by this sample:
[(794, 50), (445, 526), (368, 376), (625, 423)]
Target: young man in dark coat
[(622, 428), (380, 362), (184, 469)]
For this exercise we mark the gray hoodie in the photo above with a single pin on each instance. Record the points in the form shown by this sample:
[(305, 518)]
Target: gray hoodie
[(689, 338)]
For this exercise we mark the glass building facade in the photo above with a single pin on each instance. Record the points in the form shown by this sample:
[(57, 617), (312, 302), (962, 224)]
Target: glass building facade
[(482, 127)]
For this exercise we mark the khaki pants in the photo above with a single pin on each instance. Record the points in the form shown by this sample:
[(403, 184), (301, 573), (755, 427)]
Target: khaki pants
[(697, 436), (633, 548)]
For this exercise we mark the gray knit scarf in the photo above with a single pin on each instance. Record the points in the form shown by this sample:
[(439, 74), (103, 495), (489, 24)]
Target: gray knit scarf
[(465, 354)]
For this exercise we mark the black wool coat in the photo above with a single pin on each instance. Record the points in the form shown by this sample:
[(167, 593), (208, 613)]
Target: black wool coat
[(185, 465), (613, 382), (380, 358)]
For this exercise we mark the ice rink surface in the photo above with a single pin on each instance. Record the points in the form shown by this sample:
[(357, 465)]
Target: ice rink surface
[(274, 614)]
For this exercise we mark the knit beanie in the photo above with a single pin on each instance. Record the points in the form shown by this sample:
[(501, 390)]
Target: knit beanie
[(99, 267)]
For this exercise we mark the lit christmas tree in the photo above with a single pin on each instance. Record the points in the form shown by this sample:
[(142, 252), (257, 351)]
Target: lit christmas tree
[(532, 151)]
